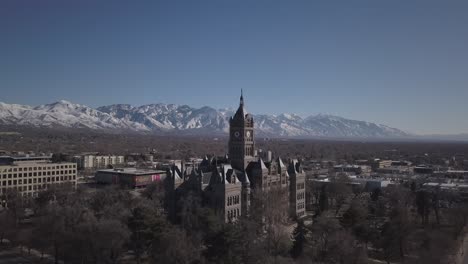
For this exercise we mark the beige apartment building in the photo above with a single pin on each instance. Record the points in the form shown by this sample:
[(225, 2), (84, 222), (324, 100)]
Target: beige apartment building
[(31, 175), (98, 161)]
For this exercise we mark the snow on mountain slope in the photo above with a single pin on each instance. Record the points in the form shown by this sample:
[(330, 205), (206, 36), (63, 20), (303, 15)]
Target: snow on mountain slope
[(62, 113), (171, 117)]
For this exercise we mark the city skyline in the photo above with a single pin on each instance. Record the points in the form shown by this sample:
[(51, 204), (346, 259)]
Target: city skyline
[(400, 64)]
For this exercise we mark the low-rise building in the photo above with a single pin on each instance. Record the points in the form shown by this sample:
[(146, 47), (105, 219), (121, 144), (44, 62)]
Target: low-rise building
[(371, 185), (129, 177), (422, 170), (455, 187)]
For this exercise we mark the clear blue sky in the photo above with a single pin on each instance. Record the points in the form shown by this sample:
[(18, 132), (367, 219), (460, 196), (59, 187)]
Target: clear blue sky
[(401, 63)]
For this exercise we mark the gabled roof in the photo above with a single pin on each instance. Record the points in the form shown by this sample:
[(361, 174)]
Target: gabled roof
[(206, 177), (215, 177), (228, 174), (262, 164), (295, 166), (176, 172), (242, 176), (280, 163)]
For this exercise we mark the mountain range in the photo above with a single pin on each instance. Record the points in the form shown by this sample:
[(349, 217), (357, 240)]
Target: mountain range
[(160, 118)]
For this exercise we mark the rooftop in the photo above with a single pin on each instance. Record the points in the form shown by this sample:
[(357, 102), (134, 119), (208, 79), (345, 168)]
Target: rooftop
[(133, 171)]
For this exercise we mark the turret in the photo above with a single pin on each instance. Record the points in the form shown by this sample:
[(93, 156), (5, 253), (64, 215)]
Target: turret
[(241, 138)]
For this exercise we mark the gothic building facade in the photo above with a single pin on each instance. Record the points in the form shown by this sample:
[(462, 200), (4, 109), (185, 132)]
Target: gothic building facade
[(227, 184)]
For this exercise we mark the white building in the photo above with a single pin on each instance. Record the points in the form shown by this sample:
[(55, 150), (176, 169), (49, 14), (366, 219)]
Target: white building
[(98, 161)]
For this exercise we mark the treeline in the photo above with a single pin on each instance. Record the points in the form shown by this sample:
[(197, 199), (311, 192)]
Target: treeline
[(117, 226), (400, 223), (180, 147)]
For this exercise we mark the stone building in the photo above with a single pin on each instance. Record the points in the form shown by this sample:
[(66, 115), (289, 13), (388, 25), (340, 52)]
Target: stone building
[(227, 184)]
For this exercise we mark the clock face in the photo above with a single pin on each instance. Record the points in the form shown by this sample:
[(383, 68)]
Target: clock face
[(237, 134), (248, 134)]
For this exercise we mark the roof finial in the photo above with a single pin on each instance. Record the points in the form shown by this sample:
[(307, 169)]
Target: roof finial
[(242, 98)]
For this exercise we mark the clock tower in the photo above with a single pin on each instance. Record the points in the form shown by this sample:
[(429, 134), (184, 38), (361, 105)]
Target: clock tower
[(241, 138)]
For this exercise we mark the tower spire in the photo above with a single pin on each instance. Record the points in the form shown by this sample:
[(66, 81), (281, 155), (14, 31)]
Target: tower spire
[(242, 98)]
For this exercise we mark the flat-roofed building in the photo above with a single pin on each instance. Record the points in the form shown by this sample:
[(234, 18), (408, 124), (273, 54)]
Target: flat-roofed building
[(383, 163), (29, 175), (129, 177), (423, 170)]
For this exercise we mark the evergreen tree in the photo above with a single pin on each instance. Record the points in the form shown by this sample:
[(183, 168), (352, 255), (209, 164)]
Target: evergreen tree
[(323, 200), (299, 236)]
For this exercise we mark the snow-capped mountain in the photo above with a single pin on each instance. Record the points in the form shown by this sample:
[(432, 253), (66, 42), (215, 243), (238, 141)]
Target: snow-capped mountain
[(183, 118)]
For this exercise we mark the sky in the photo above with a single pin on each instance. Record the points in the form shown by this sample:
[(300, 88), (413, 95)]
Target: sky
[(400, 63)]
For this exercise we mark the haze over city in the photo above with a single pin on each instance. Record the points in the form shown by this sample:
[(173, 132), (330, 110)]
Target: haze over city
[(234, 131), (400, 63)]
